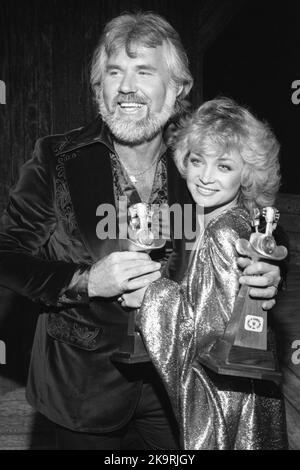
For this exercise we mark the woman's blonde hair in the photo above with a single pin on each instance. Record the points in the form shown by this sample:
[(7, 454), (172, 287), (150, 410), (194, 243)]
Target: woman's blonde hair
[(220, 126)]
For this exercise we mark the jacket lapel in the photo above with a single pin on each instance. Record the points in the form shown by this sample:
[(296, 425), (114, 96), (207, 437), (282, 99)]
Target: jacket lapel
[(90, 182)]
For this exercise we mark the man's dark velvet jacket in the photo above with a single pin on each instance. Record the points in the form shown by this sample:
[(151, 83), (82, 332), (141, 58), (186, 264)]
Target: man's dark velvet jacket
[(50, 232)]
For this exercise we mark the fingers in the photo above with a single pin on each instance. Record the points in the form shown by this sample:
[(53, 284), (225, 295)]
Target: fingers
[(138, 269), (129, 264), (266, 283), (133, 299), (265, 287), (256, 281), (243, 262), (142, 281), (121, 256), (268, 304), (151, 276), (261, 267), (130, 303), (266, 293), (261, 274), (263, 278), (123, 302), (110, 275)]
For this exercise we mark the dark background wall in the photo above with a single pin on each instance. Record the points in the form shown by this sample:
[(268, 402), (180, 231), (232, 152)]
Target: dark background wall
[(256, 60)]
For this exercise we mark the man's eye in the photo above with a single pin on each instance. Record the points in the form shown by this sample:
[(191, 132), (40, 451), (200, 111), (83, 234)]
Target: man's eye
[(112, 73), (144, 72)]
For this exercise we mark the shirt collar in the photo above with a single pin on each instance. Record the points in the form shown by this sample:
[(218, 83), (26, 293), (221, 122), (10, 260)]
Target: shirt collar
[(95, 132)]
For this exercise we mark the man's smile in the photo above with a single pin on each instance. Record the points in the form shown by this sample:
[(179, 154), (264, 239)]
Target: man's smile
[(130, 106)]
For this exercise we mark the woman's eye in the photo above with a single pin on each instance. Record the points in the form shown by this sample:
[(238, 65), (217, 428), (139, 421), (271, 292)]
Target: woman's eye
[(195, 161), (225, 167)]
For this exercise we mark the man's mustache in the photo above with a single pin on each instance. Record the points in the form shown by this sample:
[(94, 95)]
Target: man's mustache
[(131, 98)]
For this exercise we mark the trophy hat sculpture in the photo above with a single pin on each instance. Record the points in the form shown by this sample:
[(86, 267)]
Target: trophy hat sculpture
[(243, 349)]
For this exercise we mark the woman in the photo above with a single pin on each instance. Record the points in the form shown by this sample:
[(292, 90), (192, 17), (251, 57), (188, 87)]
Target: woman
[(230, 162)]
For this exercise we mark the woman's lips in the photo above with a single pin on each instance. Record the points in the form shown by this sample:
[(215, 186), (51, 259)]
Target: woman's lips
[(206, 191)]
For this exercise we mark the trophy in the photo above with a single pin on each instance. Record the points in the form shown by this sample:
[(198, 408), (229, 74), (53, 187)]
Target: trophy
[(141, 237), (243, 350)]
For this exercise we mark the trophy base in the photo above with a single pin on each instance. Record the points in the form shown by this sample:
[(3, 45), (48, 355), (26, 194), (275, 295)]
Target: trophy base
[(132, 351), (227, 359)]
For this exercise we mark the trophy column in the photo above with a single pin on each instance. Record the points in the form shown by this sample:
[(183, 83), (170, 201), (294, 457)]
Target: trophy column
[(140, 238), (243, 350)]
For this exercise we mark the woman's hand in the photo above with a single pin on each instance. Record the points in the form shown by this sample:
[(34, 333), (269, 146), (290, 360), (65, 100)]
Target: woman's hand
[(263, 278)]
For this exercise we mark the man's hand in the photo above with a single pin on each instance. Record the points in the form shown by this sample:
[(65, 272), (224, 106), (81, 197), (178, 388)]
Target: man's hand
[(120, 272), (134, 299), (263, 278)]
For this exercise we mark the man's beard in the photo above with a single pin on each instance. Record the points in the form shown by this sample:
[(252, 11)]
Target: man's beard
[(132, 131)]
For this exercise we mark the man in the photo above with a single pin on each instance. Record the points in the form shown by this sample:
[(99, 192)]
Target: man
[(51, 251)]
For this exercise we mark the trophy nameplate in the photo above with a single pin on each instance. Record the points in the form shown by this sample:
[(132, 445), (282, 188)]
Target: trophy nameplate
[(141, 237), (243, 349)]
